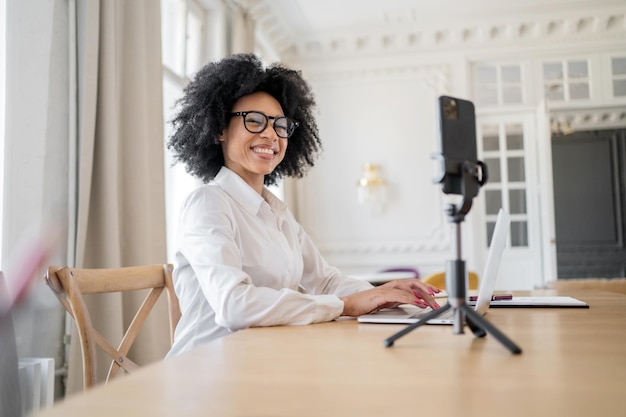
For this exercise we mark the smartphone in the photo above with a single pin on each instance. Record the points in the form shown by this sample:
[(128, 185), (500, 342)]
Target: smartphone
[(494, 297), (457, 140)]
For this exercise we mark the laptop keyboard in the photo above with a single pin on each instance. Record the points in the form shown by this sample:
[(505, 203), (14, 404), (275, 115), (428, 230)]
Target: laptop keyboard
[(448, 314)]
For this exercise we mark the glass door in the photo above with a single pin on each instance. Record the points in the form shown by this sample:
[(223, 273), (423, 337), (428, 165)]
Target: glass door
[(507, 145)]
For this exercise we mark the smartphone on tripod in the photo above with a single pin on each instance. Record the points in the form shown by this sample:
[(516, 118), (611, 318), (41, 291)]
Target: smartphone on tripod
[(457, 141), (461, 173)]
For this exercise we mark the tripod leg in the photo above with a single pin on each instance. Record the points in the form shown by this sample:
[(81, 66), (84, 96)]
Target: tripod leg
[(483, 323), (389, 341), (477, 330)]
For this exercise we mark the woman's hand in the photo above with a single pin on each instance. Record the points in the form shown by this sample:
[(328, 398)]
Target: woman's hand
[(390, 294)]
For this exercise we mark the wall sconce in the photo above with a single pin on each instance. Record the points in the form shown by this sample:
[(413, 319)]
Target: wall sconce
[(372, 188)]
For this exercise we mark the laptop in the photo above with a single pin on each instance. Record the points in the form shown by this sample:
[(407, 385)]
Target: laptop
[(410, 314), (407, 314)]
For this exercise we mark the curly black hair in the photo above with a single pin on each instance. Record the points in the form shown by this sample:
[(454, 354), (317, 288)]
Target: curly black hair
[(209, 99)]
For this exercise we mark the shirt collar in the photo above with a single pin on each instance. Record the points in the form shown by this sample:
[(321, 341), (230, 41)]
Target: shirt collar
[(245, 195)]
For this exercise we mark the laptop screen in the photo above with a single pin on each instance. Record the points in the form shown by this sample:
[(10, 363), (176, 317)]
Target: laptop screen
[(490, 276)]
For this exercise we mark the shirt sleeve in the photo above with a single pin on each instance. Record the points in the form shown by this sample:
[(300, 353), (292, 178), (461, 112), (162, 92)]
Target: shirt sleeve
[(209, 242)]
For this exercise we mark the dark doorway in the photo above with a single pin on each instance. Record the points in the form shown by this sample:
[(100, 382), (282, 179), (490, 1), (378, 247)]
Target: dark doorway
[(589, 171)]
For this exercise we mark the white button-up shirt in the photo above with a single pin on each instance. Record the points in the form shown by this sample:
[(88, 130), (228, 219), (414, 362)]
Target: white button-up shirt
[(244, 261)]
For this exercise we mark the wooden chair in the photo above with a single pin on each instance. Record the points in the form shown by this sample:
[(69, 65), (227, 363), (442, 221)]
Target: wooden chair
[(438, 279), (70, 284)]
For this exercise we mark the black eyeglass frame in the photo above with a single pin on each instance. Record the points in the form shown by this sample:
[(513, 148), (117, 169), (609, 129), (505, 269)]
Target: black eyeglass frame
[(266, 120)]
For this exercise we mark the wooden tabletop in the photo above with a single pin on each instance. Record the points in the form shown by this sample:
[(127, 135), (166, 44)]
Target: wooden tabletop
[(573, 364)]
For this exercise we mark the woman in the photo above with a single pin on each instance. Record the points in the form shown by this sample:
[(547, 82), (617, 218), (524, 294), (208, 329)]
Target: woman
[(243, 260)]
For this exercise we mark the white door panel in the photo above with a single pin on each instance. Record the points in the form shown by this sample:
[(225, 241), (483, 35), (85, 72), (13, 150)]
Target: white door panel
[(507, 144)]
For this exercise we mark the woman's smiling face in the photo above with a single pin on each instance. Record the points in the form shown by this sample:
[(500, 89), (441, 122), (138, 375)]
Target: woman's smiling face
[(253, 155)]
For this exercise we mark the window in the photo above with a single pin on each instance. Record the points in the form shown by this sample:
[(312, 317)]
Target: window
[(496, 84), (192, 33), (183, 25), (504, 152), (567, 80), (618, 71)]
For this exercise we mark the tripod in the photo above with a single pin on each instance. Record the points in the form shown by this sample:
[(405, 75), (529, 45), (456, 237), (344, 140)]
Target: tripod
[(455, 269)]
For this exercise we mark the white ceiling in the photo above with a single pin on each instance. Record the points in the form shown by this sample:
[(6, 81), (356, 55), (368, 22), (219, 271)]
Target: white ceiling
[(297, 20)]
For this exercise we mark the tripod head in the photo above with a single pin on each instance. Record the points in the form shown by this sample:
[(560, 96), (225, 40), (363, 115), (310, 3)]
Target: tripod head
[(470, 175)]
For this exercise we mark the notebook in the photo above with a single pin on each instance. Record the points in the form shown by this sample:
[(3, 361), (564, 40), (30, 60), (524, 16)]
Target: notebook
[(407, 314)]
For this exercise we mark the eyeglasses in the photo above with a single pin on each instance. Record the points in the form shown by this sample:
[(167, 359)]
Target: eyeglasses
[(256, 122)]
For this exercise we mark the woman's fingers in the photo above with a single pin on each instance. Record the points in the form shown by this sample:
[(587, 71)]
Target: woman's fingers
[(421, 290), (385, 296)]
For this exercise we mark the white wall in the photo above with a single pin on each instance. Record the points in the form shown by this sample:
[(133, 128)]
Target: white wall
[(376, 104), (385, 116), (383, 112)]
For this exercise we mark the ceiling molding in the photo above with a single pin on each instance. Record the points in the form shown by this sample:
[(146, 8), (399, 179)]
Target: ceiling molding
[(569, 121), (407, 37)]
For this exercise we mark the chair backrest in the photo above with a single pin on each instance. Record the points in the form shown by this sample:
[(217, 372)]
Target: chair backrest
[(438, 279), (70, 284)]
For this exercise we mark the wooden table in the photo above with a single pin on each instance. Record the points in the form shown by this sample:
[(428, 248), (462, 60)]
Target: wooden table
[(573, 364)]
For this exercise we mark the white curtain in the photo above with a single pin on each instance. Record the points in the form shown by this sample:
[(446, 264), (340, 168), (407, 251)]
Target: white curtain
[(120, 201), (107, 101), (120, 206)]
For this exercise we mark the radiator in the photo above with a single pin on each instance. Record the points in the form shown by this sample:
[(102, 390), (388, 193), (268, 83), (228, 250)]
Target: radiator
[(36, 384)]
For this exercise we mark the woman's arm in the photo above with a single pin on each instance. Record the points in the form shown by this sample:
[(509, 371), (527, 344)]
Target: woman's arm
[(359, 297), (211, 235)]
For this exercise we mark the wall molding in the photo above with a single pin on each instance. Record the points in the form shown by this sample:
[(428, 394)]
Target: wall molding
[(436, 76), (438, 241)]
